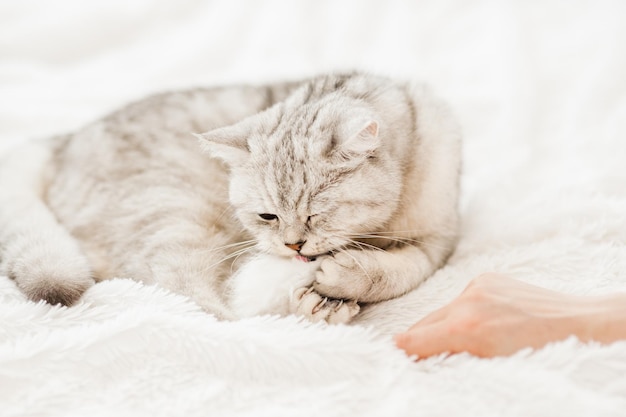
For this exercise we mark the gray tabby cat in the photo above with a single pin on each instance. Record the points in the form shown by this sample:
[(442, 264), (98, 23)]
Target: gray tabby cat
[(337, 190)]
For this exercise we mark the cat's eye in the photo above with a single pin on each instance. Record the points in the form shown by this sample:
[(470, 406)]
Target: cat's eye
[(268, 216)]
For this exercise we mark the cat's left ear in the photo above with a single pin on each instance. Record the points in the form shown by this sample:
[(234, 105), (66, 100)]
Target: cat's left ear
[(361, 139), (229, 143)]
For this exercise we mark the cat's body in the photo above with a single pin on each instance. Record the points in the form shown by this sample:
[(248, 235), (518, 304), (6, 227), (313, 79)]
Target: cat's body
[(358, 172)]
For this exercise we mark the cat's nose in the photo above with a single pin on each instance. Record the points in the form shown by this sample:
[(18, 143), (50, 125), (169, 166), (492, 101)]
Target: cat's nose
[(296, 246)]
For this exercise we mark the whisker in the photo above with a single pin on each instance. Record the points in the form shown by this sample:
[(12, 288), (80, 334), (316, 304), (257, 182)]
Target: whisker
[(231, 245), (362, 245), (399, 240), (358, 263), (388, 232), (397, 233), (232, 255), (232, 265)]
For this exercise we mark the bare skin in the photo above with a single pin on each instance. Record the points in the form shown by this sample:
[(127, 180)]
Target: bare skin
[(497, 315)]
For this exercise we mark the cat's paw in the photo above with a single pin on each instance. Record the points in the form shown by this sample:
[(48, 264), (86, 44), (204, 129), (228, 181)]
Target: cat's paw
[(308, 303), (344, 275)]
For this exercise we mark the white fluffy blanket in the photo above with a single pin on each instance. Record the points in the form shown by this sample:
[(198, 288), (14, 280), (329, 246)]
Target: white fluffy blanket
[(540, 89)]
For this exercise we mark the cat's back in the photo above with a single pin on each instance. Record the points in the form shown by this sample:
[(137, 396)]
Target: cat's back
[(152, 140), (123, 179), (148, 127)]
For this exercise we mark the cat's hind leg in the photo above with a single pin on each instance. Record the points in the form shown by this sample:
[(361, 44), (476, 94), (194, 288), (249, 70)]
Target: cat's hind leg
[(43, 259)]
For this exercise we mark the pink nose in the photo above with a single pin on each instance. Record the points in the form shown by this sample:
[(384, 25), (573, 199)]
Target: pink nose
[(295, 246)]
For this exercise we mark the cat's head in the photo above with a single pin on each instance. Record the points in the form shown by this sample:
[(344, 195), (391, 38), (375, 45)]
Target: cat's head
[(308, 178)]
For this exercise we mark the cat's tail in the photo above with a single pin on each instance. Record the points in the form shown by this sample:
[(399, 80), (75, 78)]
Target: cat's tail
[(45, 261)]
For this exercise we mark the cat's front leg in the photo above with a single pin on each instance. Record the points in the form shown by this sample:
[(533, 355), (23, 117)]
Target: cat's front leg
[(309, 303), (374, 275)]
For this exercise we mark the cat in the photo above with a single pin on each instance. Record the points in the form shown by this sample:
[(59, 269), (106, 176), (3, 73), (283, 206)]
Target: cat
[(306, 197)]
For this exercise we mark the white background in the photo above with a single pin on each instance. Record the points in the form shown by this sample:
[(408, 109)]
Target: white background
[(540, 90)]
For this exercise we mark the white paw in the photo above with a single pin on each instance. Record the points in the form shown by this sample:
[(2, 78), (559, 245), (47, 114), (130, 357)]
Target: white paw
[(343, 275), (308, 303), (264, 284)]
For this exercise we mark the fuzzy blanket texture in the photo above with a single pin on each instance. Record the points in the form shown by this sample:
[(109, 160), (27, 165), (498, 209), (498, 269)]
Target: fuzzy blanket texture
[(540, 90)]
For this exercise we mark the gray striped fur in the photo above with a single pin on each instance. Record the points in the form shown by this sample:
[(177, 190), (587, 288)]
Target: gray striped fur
[(362, 169)]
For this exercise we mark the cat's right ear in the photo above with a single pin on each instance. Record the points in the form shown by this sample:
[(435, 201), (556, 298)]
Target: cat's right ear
[(229, 143), (233, 143)]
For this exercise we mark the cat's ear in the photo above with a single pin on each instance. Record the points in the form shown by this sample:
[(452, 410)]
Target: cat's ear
[(229, 143), (233, 143), (361, 139)]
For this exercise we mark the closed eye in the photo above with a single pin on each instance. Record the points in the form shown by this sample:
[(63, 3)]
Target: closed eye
[(268, 216)]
